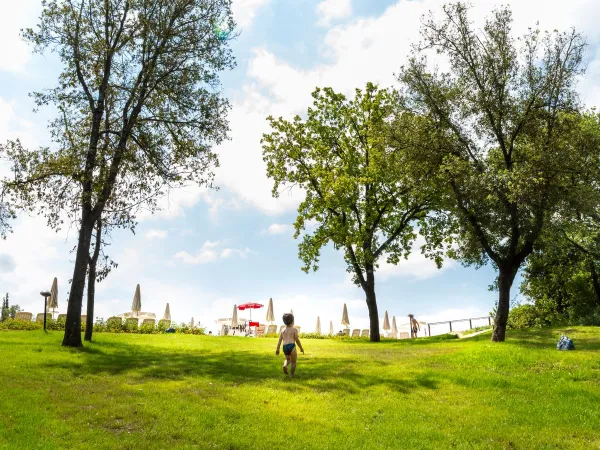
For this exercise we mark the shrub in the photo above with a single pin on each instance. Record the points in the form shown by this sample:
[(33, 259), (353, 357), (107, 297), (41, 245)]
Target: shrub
[(313, 336), (14, 324), (114, 325), (162, 325), (99, 325), (60, 323), (131, 325), (146, 329)]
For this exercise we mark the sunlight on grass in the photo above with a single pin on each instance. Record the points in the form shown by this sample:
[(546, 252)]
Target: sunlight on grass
[(182, 391)]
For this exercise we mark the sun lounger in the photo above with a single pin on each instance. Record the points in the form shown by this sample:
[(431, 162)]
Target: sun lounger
[(24, 316), (260, 330), (404, 335), (62, 317), (281, 328), (40, 318), (365, 333), (356, 333), (346, 331), (272, 329), (148, 322)]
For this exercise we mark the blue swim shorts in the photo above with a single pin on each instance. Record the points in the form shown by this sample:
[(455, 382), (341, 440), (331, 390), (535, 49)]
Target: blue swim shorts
[(288, 348)]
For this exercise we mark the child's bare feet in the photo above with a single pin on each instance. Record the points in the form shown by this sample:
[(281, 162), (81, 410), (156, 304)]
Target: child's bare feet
[(285, 368)]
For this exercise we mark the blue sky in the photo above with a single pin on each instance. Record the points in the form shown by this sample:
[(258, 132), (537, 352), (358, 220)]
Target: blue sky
[(207, 251)]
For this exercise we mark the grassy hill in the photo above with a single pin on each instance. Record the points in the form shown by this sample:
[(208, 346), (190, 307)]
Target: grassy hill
[(182, 391)]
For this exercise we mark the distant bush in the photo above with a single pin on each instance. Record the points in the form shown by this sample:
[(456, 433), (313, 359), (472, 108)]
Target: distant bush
[(99, 325), (314, 336), (114, 325), (131, 325), (14, 324), (186, 329), (146, 329)]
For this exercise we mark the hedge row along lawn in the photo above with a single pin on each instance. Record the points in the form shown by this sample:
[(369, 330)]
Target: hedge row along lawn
[(129, 391)]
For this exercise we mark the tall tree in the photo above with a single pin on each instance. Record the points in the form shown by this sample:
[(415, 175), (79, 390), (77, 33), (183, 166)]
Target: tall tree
[(357, 188), (145, 73), (508, 147), (4, 313)]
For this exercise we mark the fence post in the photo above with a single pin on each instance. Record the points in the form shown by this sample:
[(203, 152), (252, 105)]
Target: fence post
[(490, 320), (470, 324), (450, 322), (428, 330)]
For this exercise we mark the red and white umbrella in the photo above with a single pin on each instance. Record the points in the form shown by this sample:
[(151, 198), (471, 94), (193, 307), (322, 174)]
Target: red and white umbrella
[(250, 306)]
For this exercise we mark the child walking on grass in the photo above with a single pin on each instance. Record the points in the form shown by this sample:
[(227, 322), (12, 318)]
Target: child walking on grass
[(290, 338)]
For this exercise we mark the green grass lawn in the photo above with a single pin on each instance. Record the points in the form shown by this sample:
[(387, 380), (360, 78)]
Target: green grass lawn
[(180, 391)]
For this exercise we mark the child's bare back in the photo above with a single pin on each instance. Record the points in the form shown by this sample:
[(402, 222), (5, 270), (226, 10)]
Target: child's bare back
[(289, 337)]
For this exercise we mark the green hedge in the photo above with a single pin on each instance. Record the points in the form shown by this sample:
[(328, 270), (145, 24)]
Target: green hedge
[(14, 324), (112, 325)]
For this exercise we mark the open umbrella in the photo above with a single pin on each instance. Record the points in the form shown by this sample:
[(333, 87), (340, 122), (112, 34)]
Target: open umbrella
[(250, 306), (345, 320), (53, 300), (136, 306), (386, 322), (270, 314), (234, 319), (331, 327), (318, 329), (167, 315), (394, 328)]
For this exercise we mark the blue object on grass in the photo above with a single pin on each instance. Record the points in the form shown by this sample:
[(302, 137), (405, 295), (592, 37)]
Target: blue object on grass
[(564, 343), (170, 330)]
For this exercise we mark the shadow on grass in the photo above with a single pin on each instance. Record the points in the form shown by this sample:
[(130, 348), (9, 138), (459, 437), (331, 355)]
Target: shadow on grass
[(142, 364)]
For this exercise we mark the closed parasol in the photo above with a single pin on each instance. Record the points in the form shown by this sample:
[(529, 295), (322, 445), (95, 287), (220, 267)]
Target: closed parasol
[(270, 313), (345, 320), (394, 328), (53, 300), (136, 306), (331, 327), (386, 322), (167, 315), (318, 329), (234, 319)]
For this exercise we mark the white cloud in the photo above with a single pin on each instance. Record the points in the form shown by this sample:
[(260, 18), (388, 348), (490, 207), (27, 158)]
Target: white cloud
[(244, 11), (278, 228), (156, 234), (211, 251), (14, 52), (362, 50), (12, 126), (330, 10)]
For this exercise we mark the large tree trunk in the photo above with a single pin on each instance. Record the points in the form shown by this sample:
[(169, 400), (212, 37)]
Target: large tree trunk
[(72, 336), (505, 281), (372, 305), (91, 287)]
